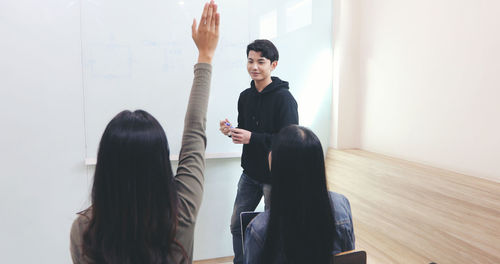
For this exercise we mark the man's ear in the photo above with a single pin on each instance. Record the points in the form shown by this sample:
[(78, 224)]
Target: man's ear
[(274, 64)]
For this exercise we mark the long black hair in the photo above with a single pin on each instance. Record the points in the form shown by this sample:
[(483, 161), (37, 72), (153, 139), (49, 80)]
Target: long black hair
[(301, 223), (133, 216)]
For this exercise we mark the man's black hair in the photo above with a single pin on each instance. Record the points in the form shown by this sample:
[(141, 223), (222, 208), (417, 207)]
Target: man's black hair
[(266, 47)]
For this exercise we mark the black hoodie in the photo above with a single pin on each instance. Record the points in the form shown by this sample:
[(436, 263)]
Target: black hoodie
[(264, 114)]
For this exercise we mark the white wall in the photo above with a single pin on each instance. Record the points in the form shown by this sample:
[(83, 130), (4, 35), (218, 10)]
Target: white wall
[(428, 82), (345, 132), (43, 179)]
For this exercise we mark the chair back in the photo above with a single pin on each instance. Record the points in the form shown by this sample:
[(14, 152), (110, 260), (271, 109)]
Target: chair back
[(350, 257)]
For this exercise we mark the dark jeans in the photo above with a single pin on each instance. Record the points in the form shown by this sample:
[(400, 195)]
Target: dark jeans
[(248, 197)]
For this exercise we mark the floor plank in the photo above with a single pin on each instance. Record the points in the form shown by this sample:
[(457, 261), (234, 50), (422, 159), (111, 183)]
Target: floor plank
[(223, 260), (405, 212)]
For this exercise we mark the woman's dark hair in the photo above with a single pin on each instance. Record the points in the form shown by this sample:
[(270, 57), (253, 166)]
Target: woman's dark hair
[(134, 199), (266, 48), (301, 223)]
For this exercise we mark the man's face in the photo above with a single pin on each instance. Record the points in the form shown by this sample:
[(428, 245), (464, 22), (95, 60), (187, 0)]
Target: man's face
[(258, 67)]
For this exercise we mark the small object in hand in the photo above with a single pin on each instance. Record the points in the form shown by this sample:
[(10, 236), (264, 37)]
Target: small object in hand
[(230, 126)]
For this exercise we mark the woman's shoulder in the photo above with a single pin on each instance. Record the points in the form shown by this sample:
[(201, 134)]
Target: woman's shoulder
[(258, 225), (338, 199), (343, 223), (81, 222), (341, 207), (259, 222), (256, 229), (76, 235), (84, 216)]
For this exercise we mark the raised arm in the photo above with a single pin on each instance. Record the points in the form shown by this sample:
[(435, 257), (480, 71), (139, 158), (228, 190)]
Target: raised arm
[(191, 167)]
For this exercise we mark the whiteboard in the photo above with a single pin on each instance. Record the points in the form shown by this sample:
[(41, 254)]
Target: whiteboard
[(140, 55)]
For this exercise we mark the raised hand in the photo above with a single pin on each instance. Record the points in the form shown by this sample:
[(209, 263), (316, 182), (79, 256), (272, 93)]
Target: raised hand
[(206, 35)]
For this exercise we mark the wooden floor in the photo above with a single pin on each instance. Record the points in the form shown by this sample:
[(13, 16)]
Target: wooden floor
[(405, 212), (224, 260)]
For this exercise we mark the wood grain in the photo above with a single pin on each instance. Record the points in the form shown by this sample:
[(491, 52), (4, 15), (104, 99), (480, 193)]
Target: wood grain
[(224, 260), (405, 212)]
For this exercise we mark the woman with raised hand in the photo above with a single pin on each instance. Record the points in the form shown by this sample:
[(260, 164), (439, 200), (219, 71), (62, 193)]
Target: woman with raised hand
[(140, 212), (306, 223)]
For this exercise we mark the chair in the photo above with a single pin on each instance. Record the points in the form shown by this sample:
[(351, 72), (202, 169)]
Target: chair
[(350, 257)]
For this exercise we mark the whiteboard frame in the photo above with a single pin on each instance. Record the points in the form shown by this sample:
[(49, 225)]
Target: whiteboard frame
[(222, 155)]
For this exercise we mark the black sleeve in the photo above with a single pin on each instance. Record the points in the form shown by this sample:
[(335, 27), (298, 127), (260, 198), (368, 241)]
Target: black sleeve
[(288, 115), (240, 112)]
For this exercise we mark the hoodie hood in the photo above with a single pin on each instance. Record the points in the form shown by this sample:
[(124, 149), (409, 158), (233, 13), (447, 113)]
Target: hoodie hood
[(275, 85)]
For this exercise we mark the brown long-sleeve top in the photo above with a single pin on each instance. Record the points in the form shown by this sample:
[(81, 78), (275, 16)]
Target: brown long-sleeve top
[(190, 172)]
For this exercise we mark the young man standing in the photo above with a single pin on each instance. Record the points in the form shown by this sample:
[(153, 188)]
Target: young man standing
[(263, 109)]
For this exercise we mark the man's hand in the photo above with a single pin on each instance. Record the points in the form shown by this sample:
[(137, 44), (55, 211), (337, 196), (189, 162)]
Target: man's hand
[(241, 136), (224, 128), (207, 34)]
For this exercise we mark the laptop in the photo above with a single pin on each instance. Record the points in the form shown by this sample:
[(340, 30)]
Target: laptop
[(245, 219)]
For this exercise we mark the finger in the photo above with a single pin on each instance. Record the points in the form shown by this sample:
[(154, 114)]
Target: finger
[(203, 19), (193, 28), (214, 18), (210, 13), (217, 22)]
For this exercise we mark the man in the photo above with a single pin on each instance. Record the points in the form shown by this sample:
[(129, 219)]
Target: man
[(263, 109)]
